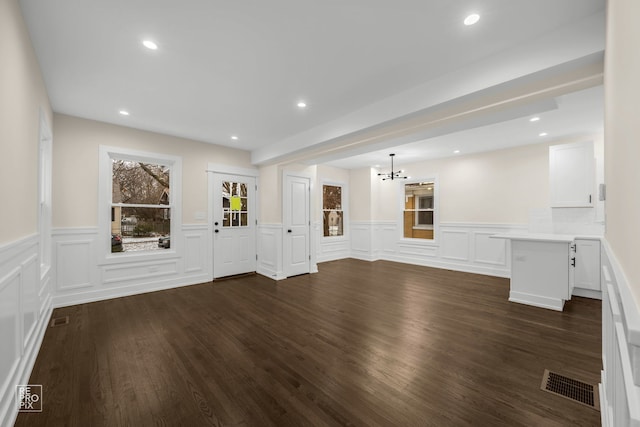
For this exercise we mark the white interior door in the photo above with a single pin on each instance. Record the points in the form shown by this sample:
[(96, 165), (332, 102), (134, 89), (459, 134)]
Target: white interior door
[(234, 225), (296, 218)]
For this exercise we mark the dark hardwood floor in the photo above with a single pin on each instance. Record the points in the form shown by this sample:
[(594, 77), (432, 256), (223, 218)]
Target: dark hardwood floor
[(359, 343)]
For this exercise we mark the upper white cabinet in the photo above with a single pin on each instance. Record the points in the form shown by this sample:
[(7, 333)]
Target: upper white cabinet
[(572, 175)]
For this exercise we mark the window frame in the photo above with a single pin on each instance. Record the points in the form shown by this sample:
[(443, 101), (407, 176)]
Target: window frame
[(436, 210), (105, 176), (45, 227), (418, 210), (345, 209)]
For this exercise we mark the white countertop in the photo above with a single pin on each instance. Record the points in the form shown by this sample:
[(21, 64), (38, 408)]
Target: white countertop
[(543, 237)]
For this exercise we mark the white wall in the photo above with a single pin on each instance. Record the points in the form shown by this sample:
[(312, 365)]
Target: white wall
[(479, 195), (82, 272), (23, 95), (500, 186), (25, 287), (620, 387), (492, 187), (622, 135), (75, 165), (270, 204), (360, 194)]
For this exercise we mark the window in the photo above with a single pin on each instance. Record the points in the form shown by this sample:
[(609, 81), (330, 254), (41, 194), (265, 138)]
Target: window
[(419, 210), (234, 204), (44, 195), (332, 211), (140, 206), (140, 214)]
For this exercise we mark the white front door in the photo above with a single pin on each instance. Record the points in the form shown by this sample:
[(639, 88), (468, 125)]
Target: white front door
[(234, 225), (296, 218)]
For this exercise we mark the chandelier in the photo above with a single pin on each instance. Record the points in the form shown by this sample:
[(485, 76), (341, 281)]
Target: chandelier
[(392, 175)]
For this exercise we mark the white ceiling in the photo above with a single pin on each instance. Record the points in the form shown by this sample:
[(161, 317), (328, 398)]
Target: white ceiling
[(239, 67), (577, 114)]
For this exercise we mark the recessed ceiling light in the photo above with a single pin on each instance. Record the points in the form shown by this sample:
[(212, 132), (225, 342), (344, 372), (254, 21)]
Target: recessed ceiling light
[(471, 19), (302, 104), (543, 134), (234, 137), (150, 45), (124, 112), (456, 151), (534, 119)]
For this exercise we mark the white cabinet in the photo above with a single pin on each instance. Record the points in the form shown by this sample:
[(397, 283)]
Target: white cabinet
[(587, 271), (572, 175), (540, 269)]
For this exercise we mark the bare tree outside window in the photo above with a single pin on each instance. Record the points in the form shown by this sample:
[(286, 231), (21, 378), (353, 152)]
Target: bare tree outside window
[(140, 206)]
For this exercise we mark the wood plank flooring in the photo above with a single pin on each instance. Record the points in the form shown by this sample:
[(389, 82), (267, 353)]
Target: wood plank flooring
[(357, 344)]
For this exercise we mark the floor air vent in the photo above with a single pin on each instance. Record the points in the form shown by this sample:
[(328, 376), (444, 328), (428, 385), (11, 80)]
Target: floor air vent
[(59, 321), (570, 388)]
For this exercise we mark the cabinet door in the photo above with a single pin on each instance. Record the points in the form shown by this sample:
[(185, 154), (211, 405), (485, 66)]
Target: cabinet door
[(571, 175), (587, 272)]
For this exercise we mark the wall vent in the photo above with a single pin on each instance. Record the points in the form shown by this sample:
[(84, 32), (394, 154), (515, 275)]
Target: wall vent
[(59, 321)]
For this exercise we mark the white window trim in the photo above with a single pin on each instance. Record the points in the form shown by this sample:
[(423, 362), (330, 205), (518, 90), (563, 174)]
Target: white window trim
[(345, 210), (44, 195), (416, 224), (436, 209), (105, 171)]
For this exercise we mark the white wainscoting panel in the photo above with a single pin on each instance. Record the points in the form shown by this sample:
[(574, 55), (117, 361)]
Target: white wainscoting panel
[(490, 251), (414, 251), (81, 278), (133, 272), (30, 304), (460, 246), (195, 250), (270, 251), (455, 244), (386, 236), (332, 248), (25, 309), (361, 247), (74, 262), (9, 329), (620, 378)]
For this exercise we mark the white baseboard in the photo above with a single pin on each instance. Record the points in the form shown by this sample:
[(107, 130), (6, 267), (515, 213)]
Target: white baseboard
[(587, 293), (536, 300), (84, 297), (271, 274)]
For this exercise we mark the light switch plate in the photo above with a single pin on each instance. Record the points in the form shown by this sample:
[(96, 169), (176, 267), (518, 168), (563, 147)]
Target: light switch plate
[(602, 192)]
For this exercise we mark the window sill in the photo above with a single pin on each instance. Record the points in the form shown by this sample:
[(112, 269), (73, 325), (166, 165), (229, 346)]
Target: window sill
[(124, 258), (334, 238), (418, 242)]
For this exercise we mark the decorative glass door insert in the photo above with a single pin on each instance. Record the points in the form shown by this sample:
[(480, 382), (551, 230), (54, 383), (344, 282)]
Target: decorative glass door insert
[(234, 204)]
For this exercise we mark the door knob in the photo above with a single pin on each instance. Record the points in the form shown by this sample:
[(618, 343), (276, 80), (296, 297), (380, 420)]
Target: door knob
[(215, 223), (288, 231), (216, 231)]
